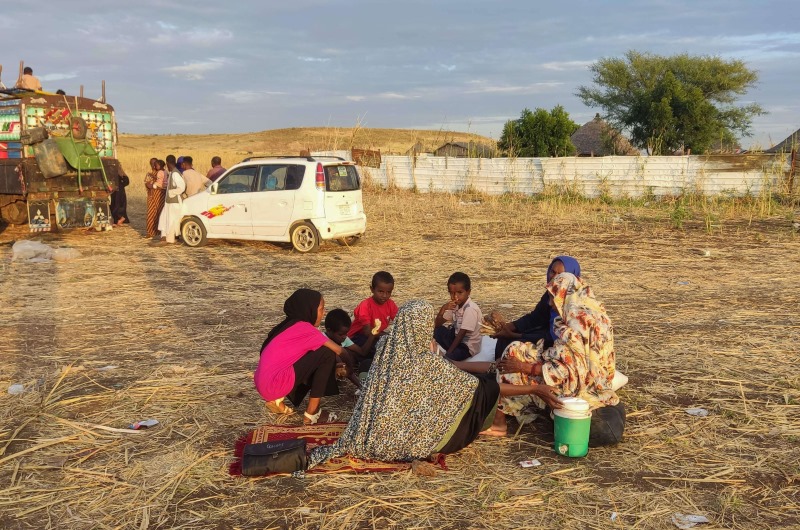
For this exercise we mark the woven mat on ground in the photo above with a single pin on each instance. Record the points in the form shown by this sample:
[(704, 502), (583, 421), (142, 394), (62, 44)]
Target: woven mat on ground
[(316, 435)]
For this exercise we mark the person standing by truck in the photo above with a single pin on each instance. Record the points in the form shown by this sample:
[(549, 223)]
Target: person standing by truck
[(170, 222), (119, 199), (155, 182)]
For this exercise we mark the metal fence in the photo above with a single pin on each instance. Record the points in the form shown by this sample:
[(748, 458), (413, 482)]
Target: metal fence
[(615, 176)]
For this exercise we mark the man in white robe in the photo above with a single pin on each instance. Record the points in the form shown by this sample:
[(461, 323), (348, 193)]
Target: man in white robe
[(169, 223)]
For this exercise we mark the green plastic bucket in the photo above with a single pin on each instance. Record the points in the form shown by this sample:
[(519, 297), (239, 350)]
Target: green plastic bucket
[(571, 431)]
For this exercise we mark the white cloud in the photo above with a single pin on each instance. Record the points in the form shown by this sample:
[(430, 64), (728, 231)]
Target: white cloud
[(145, 117), (195, 37), (58, 77), (561, 66), (481, 87), (395, 95), (758, 39), (214, 36), (162, 38), (166, 25), (765, 54), (248, 96), (196, 70), (428, 68), (356, 98), (640, 37), (314, 59)]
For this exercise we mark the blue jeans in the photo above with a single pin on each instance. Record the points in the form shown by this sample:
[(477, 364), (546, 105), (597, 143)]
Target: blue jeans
[(445, 337)]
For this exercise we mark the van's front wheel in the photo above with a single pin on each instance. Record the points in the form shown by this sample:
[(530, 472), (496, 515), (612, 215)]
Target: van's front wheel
[(305, 238), (193, 233)]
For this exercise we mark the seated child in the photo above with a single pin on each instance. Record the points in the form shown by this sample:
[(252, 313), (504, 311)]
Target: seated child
[(372, 316), (463, 339), (337, 324)]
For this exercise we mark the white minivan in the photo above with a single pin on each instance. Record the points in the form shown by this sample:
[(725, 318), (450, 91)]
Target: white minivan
[(301, 200)]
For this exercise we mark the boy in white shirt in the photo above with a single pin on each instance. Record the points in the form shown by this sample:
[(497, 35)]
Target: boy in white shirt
[(462, 340)]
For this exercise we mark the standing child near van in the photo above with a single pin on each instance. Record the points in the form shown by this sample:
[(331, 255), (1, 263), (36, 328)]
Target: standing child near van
[(373, 315), (337, 324), (462, 340)]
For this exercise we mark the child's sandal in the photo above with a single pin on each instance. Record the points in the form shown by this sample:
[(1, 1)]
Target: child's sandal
[(279, 407), (313, 419)]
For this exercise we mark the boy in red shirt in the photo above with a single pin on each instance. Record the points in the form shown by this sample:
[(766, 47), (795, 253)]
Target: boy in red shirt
[(372, 316)]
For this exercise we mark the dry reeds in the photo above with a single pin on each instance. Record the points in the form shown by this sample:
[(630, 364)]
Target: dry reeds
[(182, 328)]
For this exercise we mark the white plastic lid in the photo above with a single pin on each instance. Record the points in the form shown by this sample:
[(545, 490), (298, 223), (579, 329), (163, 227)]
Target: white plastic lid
[(574, 403)]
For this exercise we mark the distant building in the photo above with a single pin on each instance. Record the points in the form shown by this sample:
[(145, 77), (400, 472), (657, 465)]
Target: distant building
[(465, 150), (598, 138), (792, 142), (416, 149)]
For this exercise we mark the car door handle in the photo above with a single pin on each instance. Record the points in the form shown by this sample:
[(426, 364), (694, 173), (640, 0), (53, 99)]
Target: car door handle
[(243, 206), (282, 203)]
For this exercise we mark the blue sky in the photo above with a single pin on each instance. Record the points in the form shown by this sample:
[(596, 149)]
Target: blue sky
[(225, 67)]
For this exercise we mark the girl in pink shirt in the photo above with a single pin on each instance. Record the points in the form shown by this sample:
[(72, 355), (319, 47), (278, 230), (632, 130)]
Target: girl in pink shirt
[(297, 358)]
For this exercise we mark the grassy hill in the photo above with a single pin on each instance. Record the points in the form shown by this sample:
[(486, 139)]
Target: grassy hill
[(292, 141)]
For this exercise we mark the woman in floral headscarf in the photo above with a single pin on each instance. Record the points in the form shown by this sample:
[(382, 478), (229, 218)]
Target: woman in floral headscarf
[(538, 324), (581, 362)]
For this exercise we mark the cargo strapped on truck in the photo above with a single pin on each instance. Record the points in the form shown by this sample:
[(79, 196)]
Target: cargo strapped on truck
[(82, 156)]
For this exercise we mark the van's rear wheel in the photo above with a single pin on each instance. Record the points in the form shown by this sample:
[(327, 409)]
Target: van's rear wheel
[(193, 233), (305, 238)]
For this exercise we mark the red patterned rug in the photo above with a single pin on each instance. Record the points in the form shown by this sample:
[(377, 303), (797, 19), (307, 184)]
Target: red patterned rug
[(316, 435)]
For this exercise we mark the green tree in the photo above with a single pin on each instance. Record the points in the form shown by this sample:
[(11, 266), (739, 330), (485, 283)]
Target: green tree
[(539, 133), (673, 103)]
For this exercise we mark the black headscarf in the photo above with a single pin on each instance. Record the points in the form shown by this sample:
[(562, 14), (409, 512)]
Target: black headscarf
[(301, 306)]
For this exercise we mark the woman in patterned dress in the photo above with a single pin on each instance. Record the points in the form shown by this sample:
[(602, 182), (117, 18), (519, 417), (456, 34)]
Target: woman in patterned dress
[(538, 324), (155, 184), (413, 403), (581, 362)]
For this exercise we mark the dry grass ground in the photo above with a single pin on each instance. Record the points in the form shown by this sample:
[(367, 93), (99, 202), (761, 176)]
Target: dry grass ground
[(181, 327)]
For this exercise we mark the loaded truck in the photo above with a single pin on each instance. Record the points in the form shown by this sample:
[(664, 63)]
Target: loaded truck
[(58, 163)]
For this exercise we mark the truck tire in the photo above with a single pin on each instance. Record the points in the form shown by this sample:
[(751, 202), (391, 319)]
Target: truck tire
[(78, 126), (15, 213)]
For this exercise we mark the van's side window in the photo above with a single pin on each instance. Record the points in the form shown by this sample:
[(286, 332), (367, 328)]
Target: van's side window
[(239, 181), (281, 177)]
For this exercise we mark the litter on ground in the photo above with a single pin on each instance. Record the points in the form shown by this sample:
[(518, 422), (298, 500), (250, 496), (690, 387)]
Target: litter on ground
[(38, 252), (685, 522)]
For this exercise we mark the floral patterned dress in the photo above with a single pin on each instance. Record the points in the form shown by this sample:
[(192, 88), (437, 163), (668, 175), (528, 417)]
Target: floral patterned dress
[(581, 362)]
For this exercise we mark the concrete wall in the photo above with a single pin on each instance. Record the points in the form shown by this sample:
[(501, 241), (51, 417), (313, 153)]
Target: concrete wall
[(617, 176)]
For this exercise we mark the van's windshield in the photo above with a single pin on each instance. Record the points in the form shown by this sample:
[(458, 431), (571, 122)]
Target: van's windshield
[(341, 178)]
